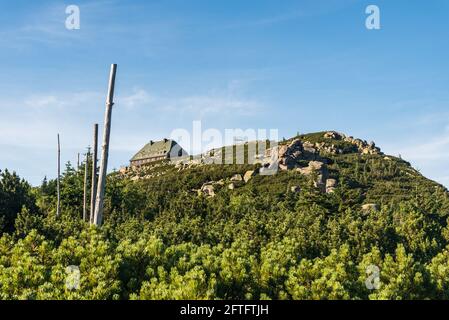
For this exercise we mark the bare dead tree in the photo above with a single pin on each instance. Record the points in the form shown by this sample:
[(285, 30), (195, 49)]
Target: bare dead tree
[(58, 205), (99, 202), (94, 174), (86, 173)]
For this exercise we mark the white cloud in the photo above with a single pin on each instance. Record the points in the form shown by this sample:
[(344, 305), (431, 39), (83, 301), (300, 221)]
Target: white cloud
[(140, 97), (230, 99), (30, 123), (213, 104), (269, 20), (430, 157), (198, 105), (65, 100), (436, 149), (42, 101), (34, 120)]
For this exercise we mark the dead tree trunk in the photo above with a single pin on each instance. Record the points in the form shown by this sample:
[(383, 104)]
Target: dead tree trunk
[(86, 172), (98, 215), (94, 175), (58, 204)]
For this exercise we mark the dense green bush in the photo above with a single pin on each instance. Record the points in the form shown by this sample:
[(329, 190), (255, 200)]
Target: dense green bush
[(161, 240), (15, 194)]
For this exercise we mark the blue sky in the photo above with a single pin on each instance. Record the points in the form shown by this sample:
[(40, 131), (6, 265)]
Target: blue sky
[(293, 65)]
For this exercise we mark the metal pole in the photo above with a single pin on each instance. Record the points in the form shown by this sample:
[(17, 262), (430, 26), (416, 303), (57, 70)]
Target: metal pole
[(94, 175), (86, 171), (99, 202)]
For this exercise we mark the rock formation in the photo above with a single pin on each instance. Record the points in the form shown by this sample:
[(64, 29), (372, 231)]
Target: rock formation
[(248, 175), (289, 155), (236, 177), (370, 207), (208, 189), (330, 185)]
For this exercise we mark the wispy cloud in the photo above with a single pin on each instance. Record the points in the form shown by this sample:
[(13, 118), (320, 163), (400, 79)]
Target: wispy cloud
[(60, 101), (429, 156), (138, 98), (269, 20), (33, 120), (200, 105), (41, 101), (30, 123), (203, 105), (44, 26), (100, 21), (437, 149), (48, 113)]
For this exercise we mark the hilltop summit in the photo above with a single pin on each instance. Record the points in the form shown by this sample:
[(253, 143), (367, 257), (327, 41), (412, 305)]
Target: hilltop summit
[(328, 161)]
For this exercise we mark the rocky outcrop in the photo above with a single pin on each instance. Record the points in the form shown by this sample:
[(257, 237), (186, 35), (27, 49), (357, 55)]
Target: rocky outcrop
[(331, 185), (370, 207), (363, 146), (123, 170), (236, 178), (320, 169), (310, 151), (313, 166), (248, 175), (136, 173), (207, 189), (323, 147), (334, 135), (320, 183), (289, 155)]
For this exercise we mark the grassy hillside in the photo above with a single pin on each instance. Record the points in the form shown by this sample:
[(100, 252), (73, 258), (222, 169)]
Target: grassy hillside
[(175, 231)]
